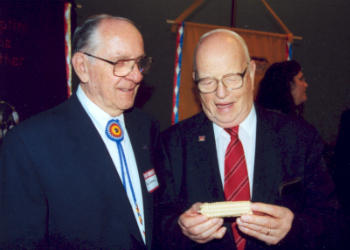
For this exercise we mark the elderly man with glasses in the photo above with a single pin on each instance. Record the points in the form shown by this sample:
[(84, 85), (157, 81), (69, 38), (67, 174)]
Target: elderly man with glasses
[(237, 151), (82, 175)]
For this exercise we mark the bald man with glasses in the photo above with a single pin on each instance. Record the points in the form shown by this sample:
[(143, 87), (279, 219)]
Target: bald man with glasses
[(237, 151), (82, 175)]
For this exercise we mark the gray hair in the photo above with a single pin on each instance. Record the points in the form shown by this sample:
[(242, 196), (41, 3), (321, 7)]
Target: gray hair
[(238, 37), (85, 37)]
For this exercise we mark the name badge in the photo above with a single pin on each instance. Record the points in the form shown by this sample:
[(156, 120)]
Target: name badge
[(151, 180)]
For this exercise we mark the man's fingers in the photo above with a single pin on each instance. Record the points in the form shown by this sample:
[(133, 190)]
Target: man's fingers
[(269, 238), (191, 217), (270, 227), (255, 227), (261, 221), (194, 208), (266, 234), (198, 227), (207, 229), (272, 210), (188, 221), (218, 234)]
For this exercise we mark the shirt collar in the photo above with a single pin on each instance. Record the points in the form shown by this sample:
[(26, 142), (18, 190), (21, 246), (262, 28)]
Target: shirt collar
[(99, 116)]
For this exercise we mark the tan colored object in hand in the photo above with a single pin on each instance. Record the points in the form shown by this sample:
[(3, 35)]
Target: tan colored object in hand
[(225, 209)]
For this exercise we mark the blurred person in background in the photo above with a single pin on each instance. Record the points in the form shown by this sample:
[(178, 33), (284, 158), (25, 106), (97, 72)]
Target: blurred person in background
[(283, 88)]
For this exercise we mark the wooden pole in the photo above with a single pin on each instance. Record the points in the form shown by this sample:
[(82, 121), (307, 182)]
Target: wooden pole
[(233, 14), (185, 14), (284, 27)]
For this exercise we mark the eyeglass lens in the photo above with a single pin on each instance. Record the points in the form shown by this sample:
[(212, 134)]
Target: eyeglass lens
[(210, 84), (124, 67)]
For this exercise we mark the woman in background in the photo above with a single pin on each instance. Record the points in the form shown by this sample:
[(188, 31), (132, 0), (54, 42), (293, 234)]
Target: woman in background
[(283, 88)]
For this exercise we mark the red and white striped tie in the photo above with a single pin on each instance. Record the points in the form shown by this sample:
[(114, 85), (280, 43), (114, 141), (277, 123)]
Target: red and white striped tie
[(236, 185)]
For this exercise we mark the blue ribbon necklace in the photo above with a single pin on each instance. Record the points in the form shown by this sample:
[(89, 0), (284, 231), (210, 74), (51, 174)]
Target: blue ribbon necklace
[(115, 133)]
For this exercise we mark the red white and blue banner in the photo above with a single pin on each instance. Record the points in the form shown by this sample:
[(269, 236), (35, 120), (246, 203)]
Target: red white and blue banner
[(68, 45), (177, 73), (289, 50), (35, 52)]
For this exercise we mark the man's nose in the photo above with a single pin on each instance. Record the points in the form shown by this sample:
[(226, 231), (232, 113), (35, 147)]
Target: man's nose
[(221, 90), (135, 74)]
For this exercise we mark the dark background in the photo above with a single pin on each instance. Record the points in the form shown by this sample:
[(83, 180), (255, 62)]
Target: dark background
[(32, 56), (323, 52)]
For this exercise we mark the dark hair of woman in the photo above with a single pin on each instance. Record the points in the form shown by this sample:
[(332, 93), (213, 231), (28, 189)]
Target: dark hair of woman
[(276, 87)]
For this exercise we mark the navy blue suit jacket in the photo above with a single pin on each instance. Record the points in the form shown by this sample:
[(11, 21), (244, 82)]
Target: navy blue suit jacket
[(60, 190), (289, 171)]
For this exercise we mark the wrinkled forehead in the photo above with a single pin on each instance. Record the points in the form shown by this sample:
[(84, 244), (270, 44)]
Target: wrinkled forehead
[(119, 34), (112, 27)]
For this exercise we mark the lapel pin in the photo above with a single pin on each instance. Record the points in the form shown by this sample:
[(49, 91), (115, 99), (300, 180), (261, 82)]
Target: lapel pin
[(201, 138), (144, 147)]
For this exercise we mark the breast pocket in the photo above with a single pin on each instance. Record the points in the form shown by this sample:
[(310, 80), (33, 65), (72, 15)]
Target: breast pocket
[(291, 194)]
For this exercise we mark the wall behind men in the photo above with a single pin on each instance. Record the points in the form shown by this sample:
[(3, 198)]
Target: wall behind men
[(323, 51)]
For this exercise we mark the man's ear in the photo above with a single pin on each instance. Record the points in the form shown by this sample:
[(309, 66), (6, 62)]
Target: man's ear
[(194, 75), (80, 66), (252, 69)]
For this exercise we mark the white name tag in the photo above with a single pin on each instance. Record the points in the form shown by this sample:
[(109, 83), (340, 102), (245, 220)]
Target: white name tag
[(151, 180)]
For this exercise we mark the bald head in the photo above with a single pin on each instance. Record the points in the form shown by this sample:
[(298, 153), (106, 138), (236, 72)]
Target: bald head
[(86, 38), (114, 33), (219, 36)]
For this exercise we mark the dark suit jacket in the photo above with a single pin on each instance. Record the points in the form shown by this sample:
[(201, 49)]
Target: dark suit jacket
[(342, 159), (289, 171), (60, 189)]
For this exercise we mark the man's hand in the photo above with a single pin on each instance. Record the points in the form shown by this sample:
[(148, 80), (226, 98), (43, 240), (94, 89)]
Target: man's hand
[(198, 227), (269, 223)]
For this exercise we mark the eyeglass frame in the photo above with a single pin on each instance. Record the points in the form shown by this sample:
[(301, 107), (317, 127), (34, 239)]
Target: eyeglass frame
[(114, 63), (217, 80)]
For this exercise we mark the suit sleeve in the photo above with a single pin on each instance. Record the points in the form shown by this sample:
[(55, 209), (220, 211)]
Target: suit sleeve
[(319, 222), (170, 205), (341, 171), (23, 209)]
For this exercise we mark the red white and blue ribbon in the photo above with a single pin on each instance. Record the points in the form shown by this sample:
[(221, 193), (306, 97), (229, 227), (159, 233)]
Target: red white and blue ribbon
[(114, 132), (289, 50), (67, 45), (177, 73)]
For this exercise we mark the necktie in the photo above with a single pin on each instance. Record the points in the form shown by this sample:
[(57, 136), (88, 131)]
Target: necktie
[(236, 184), (115, 133)]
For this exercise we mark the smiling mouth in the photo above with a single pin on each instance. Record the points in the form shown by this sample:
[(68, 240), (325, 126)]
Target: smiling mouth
[(127, 90), (224, 105)]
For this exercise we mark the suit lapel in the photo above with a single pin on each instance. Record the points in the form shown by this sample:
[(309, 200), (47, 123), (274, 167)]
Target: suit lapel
[(267, 153), (205, 153), (140, 140), (93, 156)]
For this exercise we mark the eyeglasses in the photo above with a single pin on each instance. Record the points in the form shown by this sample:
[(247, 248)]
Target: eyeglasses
[(231, 81), (124, 67)]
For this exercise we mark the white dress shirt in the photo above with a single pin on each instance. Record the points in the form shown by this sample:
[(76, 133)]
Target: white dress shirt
[(100, 119), (247, 135)]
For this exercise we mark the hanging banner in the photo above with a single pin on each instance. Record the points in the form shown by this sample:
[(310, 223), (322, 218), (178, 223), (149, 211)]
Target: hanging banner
[(33, 70)]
